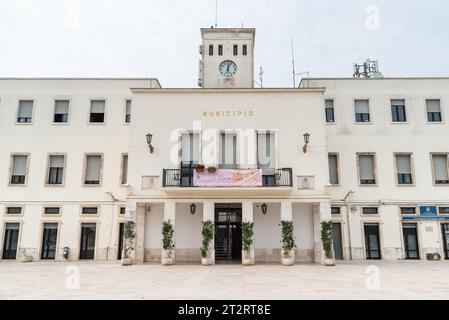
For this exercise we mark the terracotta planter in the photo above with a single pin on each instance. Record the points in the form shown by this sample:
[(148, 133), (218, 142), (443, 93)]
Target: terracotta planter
[(207, 261), (126, 261), (199, 168), (167, 261), (329, 262), (211, 169)]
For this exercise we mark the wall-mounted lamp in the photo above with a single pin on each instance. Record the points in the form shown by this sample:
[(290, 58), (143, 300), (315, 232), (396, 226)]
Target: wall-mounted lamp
[(192, 208), (149, 138), (306, 137), (264, 208)]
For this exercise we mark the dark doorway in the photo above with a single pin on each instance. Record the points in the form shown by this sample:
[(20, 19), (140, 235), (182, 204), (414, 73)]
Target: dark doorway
[(411, 247), (228, 232), (88, 232), (10, 240), (121, 240), (49, 237), (337, 239), (445, 233), (372, 241)]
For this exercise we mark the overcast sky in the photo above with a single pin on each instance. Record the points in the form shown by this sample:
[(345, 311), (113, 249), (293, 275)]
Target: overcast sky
[(160, 38)]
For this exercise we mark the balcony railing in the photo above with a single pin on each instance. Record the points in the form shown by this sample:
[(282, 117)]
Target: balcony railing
[(184, 177)]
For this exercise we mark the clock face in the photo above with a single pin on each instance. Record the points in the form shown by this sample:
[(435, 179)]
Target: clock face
[(227, 68)]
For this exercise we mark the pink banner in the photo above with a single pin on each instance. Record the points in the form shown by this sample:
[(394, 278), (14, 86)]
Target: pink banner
[(228, 178)]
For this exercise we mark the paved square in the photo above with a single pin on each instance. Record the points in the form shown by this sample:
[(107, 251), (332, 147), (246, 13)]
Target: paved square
[(109, 280)]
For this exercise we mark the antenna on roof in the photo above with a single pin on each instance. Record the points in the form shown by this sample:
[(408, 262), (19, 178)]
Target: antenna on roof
[(293, 65), (369, 69), (216, 13)]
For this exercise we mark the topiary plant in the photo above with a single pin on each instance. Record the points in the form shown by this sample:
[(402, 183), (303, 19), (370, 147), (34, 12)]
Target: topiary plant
[(208, 234), (129, 235), (247, 235), (326, 238), (167, 237), (288, 240)]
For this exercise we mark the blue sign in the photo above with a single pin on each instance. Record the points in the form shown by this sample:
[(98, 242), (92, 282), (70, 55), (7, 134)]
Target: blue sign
[(424, 218), (428, 211)]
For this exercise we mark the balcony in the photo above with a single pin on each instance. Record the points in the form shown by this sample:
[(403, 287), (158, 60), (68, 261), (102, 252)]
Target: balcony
[(188, 179)]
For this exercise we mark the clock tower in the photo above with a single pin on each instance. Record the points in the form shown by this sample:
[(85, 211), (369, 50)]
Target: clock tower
[(227, 58)]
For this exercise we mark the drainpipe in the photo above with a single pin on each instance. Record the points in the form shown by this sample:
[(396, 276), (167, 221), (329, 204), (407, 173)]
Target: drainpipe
[(348, 221)]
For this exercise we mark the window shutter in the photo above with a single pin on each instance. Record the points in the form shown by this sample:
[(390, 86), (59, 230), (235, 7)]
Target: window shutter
[(128, 106), (56, 161), (403, 164), (361, 106), (440, 167), (125, 169), (97, 106), (19, 165), (366, 163), (333, 169), (61, 106), (25, 108), (329, 104), (398, 102), (93, 168), (433, 105)]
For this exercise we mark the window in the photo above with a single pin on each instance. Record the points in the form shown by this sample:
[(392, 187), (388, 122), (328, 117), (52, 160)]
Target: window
[(61, 111), (228, 150), (14, 210), (56, 169), (266, 150), (122, 210), (245, 50), (366, 169), (335, 210), (408, 210), (398, 111), (19, 169), (90, 210), (49, 241), (220, 50), (333, 169), (433, 110), (124, 178), (370, 210), (362, 111), (92, 174), (443, 210), (440, 171), (211, 50), (128, 111), (52, 210), (25, 113), (404, 169), (190, 148), (97, 108), (236, 49), (329, 108)]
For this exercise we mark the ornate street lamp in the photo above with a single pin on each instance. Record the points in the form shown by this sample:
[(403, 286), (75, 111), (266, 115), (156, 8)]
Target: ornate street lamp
[(149, 138), (192, 208), (264, 208), (306, 137)]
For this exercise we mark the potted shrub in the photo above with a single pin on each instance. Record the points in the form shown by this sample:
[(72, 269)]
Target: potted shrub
[(433, 256), (208, 235), (247, 243), (211, 169), (168, 243), (326, 240), (288, 243), (129, 236), (199, 168)]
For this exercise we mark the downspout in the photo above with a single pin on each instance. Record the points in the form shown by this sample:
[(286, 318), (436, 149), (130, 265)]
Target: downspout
[(348, 221)]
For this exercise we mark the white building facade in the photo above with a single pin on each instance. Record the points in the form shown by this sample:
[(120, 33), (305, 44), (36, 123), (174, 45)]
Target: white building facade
[(80, 157)]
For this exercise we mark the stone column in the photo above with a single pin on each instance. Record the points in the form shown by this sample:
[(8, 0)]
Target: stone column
[(209, 214), (287, 215), (139, 214), (248, 216), (169, 215), (321, 212)]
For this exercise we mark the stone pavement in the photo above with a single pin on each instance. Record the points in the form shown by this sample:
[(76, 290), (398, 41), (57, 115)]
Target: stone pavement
[(109, 280)]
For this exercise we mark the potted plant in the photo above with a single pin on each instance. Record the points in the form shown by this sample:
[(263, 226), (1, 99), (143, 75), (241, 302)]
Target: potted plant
[(168, 243), (129, 236), (288, 243), (326, 240), (433, 256), (199, 168), (247, 243), (211, 169), (208, 235)]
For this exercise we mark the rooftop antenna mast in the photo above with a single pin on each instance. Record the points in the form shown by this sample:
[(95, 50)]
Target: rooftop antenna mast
[(216, 13), (293, 65)]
